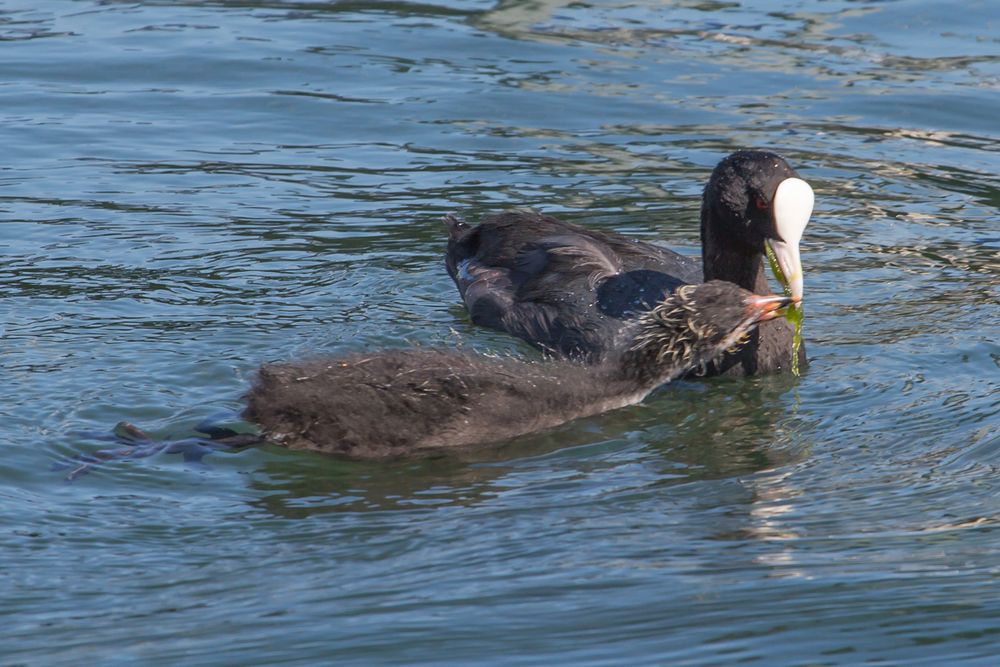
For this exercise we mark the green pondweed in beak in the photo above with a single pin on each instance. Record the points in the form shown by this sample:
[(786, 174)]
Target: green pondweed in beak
[(793, 313)]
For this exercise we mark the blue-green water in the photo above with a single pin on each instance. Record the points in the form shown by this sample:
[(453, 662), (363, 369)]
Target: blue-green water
[(190, 189)]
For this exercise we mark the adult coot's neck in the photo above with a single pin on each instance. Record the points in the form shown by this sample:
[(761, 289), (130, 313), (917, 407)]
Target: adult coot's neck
[(767, 349), (733, 262)]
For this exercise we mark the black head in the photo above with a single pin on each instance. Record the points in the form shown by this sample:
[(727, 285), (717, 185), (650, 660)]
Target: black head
[(697, 323), (755, 197)]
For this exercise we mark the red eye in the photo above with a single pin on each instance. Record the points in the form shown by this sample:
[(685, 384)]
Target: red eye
[(760, 204)]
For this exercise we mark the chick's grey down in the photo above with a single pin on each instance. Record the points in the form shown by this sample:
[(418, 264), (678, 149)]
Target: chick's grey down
[(395, 403)]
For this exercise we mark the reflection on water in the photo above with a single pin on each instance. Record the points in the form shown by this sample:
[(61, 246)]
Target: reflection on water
[(190, 190)]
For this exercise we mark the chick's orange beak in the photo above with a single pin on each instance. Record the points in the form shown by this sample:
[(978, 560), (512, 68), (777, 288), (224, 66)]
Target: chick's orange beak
[(764, 308)]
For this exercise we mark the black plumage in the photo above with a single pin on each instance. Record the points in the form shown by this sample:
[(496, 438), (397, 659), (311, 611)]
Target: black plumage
[(571, 291)]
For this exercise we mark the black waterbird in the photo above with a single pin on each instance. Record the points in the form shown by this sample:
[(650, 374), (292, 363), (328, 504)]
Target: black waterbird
[(572, 291)]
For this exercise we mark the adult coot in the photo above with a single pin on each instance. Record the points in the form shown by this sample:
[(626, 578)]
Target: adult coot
[(402, 402), (571, 290)]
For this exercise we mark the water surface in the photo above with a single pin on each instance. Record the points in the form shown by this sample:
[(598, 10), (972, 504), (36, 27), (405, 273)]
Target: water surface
[(191, 189)]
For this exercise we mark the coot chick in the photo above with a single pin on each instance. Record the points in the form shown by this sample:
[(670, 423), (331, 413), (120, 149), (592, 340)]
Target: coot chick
[(403, 402), (570, 290)]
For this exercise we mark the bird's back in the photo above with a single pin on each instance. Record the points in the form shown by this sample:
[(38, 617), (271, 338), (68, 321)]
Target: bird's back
[(399, 402), (559, 286)]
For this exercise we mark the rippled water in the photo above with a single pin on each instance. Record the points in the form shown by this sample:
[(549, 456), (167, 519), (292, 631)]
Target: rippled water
[(189, 189)]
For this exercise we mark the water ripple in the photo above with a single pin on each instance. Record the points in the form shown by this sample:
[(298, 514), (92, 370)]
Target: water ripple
[(192, 189)]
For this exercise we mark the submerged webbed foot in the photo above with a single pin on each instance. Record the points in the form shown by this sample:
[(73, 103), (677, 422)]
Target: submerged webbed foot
[(134, 443)]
